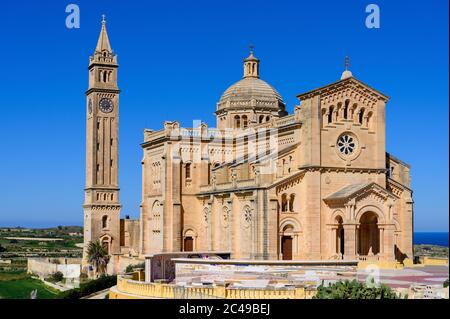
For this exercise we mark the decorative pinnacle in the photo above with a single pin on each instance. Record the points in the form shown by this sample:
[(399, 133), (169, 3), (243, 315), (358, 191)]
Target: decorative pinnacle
[(251, 47), (347, 62), (103, 19)]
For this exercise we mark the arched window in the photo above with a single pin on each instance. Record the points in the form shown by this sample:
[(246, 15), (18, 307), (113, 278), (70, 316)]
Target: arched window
[(105, 76), (244, 121), (267, 118), (353, 111), (105, 221), (339, 111), (105, 245), (330, 114), (370, 121), (284, 203), (104, 196), (188, 170), (324, 117), (291, 202), (237, 121), (289, 168), (261, 118), (361, 116), (346, 109)]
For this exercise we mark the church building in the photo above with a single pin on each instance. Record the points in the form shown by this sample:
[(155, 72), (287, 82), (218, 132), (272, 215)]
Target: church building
[(317, 184)]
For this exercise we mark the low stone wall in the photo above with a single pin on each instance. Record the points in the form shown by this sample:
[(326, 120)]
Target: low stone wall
[(433, 261), (131, 289), (44, 267)]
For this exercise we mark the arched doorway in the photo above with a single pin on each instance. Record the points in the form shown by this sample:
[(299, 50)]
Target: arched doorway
[(189, 239), (106, 244), (340, 237), (188, 243), (286, 242), (368, 235)]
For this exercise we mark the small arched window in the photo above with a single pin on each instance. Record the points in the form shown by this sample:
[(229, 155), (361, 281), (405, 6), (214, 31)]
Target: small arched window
[(244, 121), (346, 109), (361, 116), (267, 118), (330, 114), (289, 168), (284, 203), (261, 118), (324, 117), (291, 202), (105, 221), (105, 76), (237, 121), (188, 170), (370, 120)]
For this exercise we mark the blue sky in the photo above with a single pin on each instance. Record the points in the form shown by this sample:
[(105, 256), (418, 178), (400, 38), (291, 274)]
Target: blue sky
[(177, 57)]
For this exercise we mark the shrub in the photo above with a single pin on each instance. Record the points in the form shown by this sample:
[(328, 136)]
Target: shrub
[(354, 290), (57, 276), (130, 268), (445, 284), (2, 249), (103, 282)]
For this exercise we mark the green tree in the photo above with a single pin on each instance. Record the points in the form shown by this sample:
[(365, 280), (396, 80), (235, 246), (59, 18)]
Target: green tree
[(355, 290), (2, 249), (98, 257)]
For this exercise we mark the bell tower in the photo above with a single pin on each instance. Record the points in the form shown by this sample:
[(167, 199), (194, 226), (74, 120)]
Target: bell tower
[(101, 197)]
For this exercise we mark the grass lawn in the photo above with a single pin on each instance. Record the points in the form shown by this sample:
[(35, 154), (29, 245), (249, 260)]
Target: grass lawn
[(18, 285)]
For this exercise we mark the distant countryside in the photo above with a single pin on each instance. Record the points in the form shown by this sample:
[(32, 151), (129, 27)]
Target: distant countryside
[(18, 244)]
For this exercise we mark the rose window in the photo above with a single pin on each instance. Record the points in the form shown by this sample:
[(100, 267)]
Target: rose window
[(346, 144)]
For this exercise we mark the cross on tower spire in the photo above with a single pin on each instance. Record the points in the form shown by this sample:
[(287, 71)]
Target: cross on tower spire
[(347, 73)]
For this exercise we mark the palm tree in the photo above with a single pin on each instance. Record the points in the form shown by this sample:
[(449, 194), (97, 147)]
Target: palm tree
[(97, 257)]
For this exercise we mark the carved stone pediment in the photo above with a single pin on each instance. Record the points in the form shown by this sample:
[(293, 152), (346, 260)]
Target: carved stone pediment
[(356, 193)]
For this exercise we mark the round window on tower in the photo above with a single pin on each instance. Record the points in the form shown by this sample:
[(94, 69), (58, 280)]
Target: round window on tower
[(347, 145)]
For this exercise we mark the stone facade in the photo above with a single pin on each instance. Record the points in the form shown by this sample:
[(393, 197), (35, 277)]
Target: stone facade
[(314, 185), (317, 184)]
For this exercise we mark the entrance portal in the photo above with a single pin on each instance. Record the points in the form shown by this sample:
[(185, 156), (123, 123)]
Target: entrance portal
[(368, 235), (188, 244), (286, 247)]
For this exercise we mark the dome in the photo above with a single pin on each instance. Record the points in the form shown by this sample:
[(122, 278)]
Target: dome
[(242, 93)]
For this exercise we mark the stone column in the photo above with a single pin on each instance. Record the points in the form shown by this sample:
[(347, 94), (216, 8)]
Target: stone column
[(350, 241), (334, 240), (381, 241), (388, 243)]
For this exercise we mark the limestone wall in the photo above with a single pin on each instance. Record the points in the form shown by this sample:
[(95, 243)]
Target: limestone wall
[(44, 267)]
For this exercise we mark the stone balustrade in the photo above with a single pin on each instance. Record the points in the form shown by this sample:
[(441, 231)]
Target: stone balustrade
[(128, 288)]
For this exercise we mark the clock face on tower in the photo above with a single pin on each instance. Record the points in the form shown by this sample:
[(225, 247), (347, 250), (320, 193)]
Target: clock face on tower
[(106, 105)]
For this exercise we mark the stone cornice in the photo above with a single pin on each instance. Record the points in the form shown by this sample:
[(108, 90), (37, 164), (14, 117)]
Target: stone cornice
[(315, 168), (102, 90), (342, 84)]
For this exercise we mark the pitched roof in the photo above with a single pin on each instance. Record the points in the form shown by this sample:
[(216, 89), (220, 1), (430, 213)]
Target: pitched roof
[(347, 191)]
